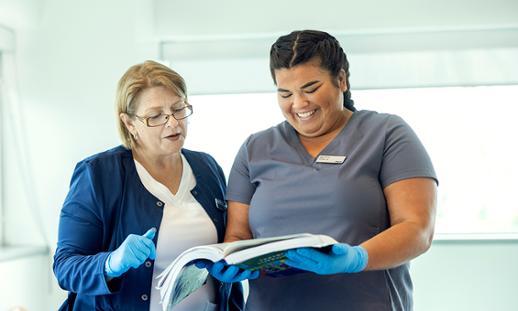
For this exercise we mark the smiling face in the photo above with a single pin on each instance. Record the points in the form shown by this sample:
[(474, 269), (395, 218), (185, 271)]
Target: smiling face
[(162, 140), (311, 99)]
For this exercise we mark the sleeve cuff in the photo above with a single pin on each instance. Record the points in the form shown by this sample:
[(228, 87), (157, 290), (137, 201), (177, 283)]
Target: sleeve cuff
[(111, 285)]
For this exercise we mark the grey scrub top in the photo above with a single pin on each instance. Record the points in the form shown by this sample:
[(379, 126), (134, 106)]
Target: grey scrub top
[(290, 192)]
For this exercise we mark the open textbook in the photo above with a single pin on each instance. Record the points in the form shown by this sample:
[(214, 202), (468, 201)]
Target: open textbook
[(182, 277)]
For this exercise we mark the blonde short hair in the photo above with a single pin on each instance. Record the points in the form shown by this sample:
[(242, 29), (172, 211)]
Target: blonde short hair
[(137, 78)]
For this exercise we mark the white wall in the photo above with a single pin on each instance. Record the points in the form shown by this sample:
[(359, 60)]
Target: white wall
[(69, 57), (467, 276), (70, 54), (69, 61), (26, 282)]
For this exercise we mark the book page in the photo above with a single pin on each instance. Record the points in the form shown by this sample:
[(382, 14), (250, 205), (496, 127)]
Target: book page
[(189, 280), (182, 277)]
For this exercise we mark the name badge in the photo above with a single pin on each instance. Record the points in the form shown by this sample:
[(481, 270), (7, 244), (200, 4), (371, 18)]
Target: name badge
[(221, 205), (330, 159)]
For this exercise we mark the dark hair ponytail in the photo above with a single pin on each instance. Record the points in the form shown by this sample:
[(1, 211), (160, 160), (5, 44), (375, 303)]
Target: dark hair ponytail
[(299, 47)]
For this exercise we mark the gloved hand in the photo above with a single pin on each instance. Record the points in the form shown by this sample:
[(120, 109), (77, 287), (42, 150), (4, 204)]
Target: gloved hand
[(131, 254), (226, 273), (343, 258)]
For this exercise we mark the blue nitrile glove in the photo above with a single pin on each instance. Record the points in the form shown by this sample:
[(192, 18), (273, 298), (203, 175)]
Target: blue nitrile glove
[(131, 254), (342, 258), (226, 273)]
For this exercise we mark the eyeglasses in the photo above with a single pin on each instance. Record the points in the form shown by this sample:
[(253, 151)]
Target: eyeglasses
[(161, 119)]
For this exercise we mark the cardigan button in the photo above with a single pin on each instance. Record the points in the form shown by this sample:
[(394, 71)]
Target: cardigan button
[(148, 264), (159, 204), (144, 297)]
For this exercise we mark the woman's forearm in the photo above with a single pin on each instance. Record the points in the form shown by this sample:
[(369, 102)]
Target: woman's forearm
[(397, 245)]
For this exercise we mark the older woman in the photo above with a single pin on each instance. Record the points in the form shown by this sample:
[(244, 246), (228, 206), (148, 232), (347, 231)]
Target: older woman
[(361, 177), (132, 209)]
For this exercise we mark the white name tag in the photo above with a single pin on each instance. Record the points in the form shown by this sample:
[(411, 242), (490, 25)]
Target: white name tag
[(331, 159)]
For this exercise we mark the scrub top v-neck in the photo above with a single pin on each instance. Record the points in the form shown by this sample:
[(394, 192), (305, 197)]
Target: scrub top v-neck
[(330, 149)]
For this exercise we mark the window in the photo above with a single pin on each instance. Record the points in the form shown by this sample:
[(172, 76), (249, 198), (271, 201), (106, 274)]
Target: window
[(469, 133), (221, 123)]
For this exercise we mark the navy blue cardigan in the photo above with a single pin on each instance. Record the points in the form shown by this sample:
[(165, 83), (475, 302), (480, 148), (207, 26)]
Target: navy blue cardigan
[(106, 203)]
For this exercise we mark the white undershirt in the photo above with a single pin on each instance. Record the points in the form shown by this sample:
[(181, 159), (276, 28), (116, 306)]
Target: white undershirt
[(184, 224)]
